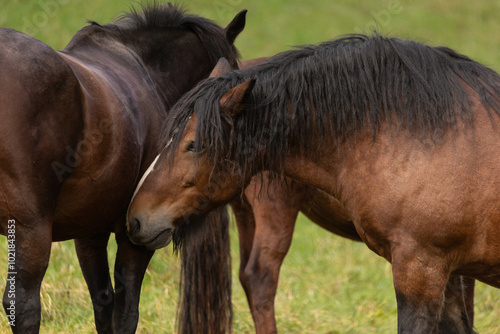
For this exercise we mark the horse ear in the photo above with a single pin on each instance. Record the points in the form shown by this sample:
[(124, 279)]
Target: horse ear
[(222, 67), (236, 26), (233, 102)]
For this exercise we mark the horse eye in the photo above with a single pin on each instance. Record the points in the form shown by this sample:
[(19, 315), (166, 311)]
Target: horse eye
[(191, 147)]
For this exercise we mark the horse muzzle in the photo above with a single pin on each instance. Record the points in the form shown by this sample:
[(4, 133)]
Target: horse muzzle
[(149, 232)]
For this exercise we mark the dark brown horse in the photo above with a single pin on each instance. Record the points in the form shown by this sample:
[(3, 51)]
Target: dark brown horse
[(79, 127), (402, 134)]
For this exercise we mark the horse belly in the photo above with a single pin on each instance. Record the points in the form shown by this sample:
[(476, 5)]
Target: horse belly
[(326, 211)]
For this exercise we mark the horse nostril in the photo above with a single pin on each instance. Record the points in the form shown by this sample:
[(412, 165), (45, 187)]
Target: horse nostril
[(134, 226)]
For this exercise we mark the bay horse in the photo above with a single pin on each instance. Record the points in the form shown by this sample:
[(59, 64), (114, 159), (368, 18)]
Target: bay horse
[(402, 134), (79, 127), (266, 222)]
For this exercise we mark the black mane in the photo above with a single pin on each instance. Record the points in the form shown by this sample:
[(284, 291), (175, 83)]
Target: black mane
[(339, 88), (155, 15)]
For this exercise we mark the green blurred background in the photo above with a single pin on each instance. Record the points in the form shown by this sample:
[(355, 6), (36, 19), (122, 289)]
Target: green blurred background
[(328, 285)]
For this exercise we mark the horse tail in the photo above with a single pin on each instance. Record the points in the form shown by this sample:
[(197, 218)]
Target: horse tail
[(205, 284)]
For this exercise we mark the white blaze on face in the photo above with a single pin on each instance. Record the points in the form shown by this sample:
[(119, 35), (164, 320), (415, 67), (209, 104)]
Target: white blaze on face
[(148, 171)]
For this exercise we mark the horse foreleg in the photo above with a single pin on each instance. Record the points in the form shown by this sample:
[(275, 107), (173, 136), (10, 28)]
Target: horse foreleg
[(29, 253), (130, 267), (454, 317), (93, 257), (420, 281)]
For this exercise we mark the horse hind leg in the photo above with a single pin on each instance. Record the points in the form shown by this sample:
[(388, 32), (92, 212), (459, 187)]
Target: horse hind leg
[(271, 242), (245, 221), (256, 275), (455, 315), (26, 268), (93, 257)]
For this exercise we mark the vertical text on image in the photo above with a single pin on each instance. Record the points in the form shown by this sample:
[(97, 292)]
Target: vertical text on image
[(10, 290)]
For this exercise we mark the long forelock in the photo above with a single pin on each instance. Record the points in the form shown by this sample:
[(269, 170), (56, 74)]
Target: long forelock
[(210, 135)]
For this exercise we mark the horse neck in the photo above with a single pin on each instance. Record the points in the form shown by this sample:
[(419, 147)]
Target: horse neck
[(310, 158), (94, 41), (175, 60), (317, 166)]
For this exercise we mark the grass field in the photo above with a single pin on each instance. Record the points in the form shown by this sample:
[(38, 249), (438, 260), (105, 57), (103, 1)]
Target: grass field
[(328, 285)]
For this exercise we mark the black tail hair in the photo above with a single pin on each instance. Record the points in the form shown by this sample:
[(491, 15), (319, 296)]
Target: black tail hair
[(205, 285)]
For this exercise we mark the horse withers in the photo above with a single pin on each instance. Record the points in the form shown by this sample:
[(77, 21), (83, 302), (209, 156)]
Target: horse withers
[(79, 127), (402, 134)]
